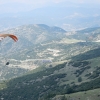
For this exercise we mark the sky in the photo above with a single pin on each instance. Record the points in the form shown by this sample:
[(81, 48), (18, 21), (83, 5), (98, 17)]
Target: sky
[(63, 13), (27, 5)]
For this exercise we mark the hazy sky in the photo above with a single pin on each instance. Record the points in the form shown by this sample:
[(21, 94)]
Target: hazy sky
[(64, 13), (26, 5)]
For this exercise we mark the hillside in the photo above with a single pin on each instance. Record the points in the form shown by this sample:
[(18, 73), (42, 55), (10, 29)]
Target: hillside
[(94, 53), (40, 44), (56, 79), (29, 37), (88, 34), (91, 95), (61, 62)]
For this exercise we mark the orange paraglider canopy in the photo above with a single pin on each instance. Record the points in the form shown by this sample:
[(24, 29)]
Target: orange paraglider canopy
[(9, 35)]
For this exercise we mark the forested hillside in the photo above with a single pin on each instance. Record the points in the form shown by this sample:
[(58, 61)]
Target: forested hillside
[(51, 66)]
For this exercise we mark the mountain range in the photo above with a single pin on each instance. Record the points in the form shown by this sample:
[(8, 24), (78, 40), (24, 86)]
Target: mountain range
[(49, 61)]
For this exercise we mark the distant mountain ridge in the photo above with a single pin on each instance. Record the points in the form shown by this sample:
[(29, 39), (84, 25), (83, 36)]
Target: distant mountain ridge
[(40, 36), (88, 34), (32, 34), (41, 33)]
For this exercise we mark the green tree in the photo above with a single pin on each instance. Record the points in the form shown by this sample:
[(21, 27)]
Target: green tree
[(79, 79)]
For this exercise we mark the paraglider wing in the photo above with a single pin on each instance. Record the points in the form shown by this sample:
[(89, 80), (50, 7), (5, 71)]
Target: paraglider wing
[(9, 35), (13, 37)]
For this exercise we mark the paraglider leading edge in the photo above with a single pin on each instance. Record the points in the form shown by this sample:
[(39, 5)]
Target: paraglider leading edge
[(2, 36)]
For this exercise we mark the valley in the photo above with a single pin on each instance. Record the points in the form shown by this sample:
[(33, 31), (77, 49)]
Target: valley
[(49, 63)]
